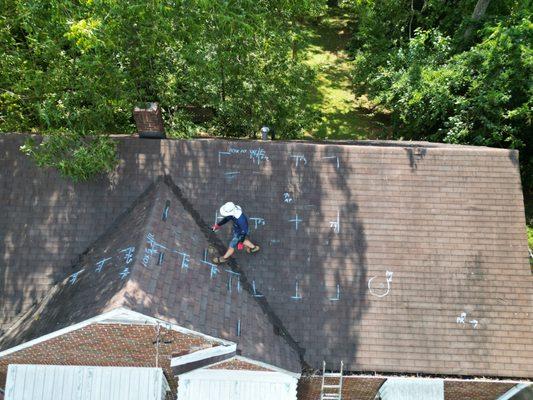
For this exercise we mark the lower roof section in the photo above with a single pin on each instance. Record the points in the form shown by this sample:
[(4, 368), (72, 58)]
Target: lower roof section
[(369, 387)]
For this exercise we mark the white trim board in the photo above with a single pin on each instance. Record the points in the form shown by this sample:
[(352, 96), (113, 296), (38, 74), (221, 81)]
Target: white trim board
[(272, 368), (514, 390), (117, 315), (203, 354)]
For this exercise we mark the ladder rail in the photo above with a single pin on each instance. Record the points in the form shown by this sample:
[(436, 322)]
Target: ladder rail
[(325, 393)]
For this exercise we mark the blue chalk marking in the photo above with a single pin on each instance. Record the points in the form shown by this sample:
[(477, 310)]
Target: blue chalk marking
[(336, 225), (225, 153), (230, 280), (229, 283), (274, 241), (258, 155), (74, 277), (336, 157), (100, 264), (185, 260), (234, 150), (298, 158), (257, 221), (338, 297), (217, 217), (229, 271), (214, 268), (124, 273), (128, 254), (297, 295), (296, 221), (150, 238), (287, 198), (239, 327), (255, 291), (230, 175)]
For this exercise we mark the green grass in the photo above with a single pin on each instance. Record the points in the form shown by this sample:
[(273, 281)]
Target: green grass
[(344, 116)]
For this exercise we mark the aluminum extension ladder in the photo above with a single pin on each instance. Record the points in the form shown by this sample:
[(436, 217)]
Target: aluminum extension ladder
[(331, 391)]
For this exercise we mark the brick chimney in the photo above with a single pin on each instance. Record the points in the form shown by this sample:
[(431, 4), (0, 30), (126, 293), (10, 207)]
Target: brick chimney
[(149, 121)]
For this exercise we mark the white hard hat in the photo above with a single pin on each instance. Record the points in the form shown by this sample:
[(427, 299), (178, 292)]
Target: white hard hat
[(230, 209)]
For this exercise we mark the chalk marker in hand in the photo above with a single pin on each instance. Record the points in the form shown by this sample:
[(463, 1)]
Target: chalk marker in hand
[(215, 227)]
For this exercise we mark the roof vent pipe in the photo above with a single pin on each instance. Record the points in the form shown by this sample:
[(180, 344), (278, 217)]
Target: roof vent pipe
[(265, 130)]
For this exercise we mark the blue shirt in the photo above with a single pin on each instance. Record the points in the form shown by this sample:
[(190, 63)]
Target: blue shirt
[(240, 225)]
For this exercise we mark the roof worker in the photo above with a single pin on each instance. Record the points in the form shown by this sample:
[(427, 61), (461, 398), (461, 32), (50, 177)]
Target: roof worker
[(233, 212)]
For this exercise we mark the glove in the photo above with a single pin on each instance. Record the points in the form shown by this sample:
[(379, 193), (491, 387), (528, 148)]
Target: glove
[(240, 246), (215, 227)]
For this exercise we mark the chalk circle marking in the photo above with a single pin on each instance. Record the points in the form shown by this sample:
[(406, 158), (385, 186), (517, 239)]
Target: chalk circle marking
[(381, 291)]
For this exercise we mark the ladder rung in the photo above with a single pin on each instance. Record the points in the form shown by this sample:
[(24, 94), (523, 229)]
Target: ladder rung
[(332, 386), (331, 397), (332, 375)]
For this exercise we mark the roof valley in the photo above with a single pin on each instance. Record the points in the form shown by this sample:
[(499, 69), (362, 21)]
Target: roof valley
[(277, 325)]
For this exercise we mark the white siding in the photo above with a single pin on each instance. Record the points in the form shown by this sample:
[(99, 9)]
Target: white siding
[(236, 385), (55, 382), (412, 389)]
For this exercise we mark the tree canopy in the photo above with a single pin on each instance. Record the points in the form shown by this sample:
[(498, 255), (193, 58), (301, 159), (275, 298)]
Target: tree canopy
[(449, 70)]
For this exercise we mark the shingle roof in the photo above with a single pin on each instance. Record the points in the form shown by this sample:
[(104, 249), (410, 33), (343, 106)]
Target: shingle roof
[(333, 219), (154, 260)]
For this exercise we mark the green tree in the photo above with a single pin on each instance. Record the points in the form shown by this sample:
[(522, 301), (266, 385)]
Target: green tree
[(81, 66), (441, 86)]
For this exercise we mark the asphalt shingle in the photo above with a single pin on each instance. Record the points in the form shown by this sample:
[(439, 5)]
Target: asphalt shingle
[(392, 257)]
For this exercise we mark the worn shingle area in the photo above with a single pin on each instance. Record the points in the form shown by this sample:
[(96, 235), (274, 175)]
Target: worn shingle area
[(392, 257), (352, 388), (366, 388), (236, 364)]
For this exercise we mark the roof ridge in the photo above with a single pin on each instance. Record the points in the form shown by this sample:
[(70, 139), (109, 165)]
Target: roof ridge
[(273, 318)]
